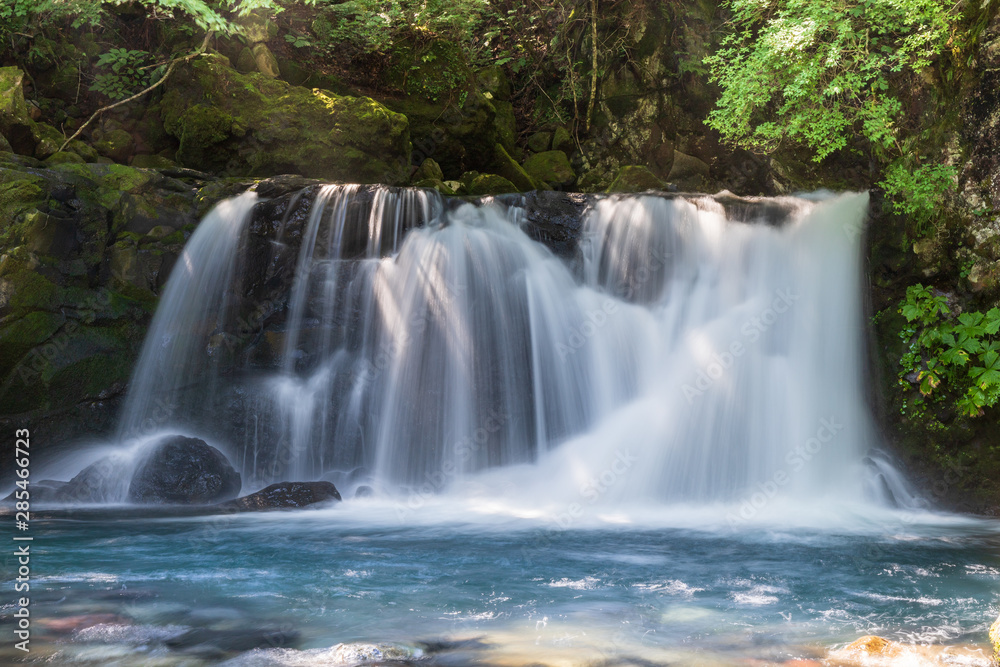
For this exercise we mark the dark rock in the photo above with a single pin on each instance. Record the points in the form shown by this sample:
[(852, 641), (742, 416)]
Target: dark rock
[(364, 491), (285, 495), (180, 470)]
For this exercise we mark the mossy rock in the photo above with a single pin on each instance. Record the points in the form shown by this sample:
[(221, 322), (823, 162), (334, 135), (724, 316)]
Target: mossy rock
[(635, 179), (117, 145), (245, 63), (551, 167), (540, 142), (152, 162), (505, 166), (490, 184), (505, 126), (492, 80), (562, 140), (428, 169), (48, 140), (265, 61), (14, 118), (83, 150), (249, 125), (62, 157)]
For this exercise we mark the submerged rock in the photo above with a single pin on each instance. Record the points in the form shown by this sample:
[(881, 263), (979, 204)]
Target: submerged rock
[(185, 471), (286, 495)]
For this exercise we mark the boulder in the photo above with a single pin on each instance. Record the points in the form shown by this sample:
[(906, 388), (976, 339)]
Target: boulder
[(489, 184), (117, 145), (15, 121), (540, 142), (248, 124), (635, 179), (100, 482), (687, 170), (184, 471), (504, 165), (265, 61), (550, 167), (285, 495), (562, 140), (428, 169)]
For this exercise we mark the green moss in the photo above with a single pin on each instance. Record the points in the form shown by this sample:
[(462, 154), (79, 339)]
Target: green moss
[(19, 336), (247, 124), (505, 166), (551, 167), (635, 179), (28, 291), (490, 184)]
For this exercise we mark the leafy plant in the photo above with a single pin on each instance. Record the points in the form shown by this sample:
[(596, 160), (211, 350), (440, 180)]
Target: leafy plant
[(819, 72), (959, 356), (127, 73), (299, 41)]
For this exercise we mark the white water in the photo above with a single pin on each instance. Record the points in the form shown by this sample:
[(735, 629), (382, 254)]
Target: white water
[(691, 359)]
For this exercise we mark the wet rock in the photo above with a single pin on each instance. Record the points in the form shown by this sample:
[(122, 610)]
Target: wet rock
[(186, 471), (285, 495), (364, 491), (100, 482), (873, 646)]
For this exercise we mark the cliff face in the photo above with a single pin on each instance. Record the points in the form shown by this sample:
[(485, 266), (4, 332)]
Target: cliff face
[(89, 230)]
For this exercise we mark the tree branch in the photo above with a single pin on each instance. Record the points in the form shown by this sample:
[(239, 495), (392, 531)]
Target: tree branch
[(170, 70)]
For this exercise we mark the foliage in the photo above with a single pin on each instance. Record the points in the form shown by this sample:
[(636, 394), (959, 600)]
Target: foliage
[(128, 73), (375, 25), (959, 356), (207, 14), (916, 192), (818, 72)]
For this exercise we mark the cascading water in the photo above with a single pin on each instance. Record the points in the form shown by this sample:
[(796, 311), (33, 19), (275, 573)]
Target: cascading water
[(420, 341)]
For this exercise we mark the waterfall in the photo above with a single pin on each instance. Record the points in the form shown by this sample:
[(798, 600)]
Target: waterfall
[(710, 345)]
